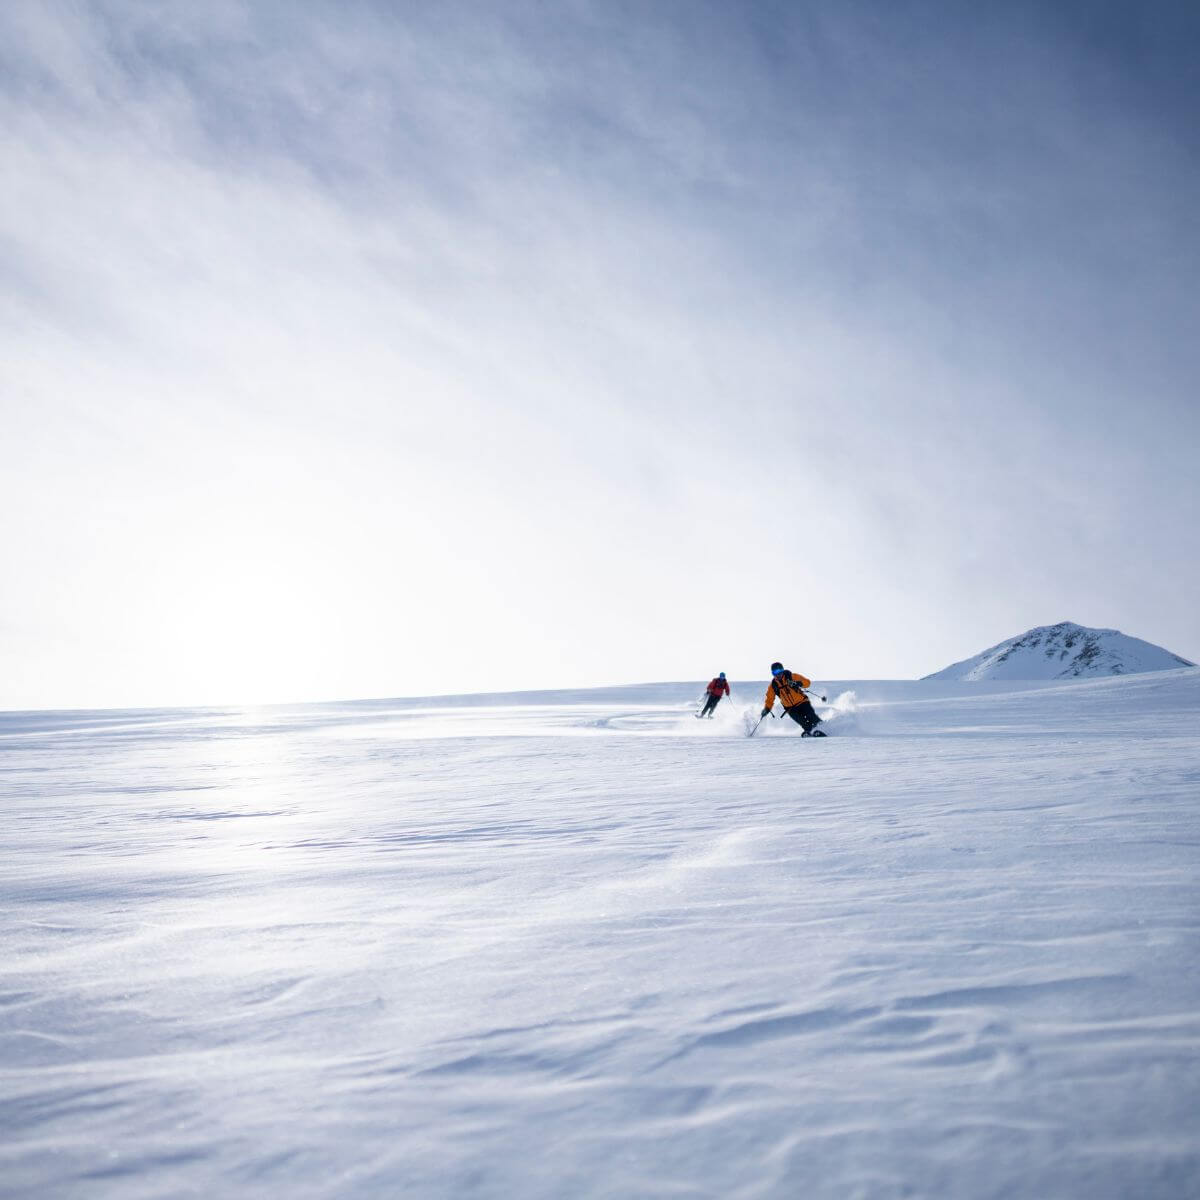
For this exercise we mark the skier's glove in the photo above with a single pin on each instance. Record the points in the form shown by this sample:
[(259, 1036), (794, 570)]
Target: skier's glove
[(763, 713)]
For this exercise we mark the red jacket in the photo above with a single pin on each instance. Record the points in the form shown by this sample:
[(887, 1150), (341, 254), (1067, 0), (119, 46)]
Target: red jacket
[(718, 687)]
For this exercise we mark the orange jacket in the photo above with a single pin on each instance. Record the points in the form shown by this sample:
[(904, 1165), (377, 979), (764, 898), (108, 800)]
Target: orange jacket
[(789, 688)]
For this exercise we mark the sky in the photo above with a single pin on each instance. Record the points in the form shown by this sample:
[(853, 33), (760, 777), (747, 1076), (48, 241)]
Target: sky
[(367, 349)]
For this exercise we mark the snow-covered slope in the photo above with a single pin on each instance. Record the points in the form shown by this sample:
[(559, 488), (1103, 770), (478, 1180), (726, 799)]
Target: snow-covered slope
[(1064, 651), (586, 945)]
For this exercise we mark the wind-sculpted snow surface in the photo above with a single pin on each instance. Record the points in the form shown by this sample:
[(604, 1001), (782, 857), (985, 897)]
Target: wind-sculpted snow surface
[(586, 945)]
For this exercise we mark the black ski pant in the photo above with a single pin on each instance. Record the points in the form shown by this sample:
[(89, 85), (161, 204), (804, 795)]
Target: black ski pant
[(709, 705), (804, 714)]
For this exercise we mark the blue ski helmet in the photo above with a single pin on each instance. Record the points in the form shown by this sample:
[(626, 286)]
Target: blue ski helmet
[(776, 668), (722, 675)]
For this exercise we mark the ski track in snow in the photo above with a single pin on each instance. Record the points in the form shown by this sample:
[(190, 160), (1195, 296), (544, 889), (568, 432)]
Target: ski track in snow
[(583, 944)]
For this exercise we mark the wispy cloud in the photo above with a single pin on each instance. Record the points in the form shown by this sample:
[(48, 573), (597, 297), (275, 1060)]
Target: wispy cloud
[(354, 349)]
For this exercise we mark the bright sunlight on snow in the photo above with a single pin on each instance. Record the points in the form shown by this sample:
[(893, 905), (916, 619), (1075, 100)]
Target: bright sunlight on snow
[(582, 944)]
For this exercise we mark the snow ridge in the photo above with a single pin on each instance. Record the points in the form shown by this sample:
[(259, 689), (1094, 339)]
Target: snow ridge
[(1064, 651)]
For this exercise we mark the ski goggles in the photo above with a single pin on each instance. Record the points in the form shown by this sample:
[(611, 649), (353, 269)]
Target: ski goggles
[(777, 671)]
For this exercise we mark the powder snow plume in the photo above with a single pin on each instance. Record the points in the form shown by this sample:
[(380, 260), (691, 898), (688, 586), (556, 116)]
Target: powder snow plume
[(839, 713)]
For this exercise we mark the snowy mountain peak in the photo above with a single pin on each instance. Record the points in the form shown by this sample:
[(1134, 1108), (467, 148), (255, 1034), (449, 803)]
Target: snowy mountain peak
[(1064, 651)]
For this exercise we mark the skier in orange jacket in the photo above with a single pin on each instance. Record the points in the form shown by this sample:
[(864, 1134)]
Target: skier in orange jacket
[(790, 690)]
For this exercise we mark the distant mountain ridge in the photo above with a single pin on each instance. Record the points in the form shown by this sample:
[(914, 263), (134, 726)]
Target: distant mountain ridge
[(1064, 651)]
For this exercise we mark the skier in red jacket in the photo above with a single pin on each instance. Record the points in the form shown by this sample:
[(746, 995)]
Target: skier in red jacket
[(717, 688)]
